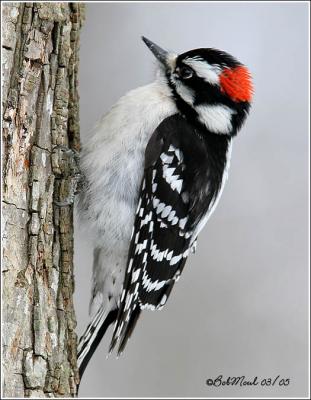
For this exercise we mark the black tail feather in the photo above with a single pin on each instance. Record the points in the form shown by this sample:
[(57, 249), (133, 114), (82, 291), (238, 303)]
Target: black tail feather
[(129, 329), (126, 330), (111, 317)]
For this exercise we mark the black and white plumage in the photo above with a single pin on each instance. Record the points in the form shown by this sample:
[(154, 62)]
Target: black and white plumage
[(154, 170), (182, 180)]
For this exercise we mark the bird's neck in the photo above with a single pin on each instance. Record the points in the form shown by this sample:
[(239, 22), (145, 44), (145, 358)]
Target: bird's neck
[(215, 118), (211, 119)]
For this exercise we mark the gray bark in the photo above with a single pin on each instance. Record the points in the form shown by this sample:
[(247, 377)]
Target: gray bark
[(40, 121)]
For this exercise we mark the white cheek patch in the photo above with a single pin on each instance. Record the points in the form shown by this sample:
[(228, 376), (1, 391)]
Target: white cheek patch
[(210, 73), (217, 119)]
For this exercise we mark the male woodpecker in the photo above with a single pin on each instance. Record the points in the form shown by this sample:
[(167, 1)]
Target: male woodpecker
[(154, 171)]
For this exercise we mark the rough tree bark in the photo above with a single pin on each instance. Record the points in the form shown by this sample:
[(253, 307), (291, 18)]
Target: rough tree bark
[(40, 122)]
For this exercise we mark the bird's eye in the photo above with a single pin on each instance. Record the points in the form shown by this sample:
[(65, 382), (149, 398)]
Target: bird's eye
[(185, 72)]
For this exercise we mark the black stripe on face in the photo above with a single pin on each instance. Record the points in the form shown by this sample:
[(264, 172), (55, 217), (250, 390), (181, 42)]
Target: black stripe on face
[(184, 108), (205, 93)]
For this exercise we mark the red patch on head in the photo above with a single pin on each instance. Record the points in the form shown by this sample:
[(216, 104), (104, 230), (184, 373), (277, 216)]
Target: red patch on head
[(236, 83)]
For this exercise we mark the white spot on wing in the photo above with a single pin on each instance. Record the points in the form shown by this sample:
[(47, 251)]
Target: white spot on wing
[(147, 307), (155, 202), (149, 285), (168, 172), (166, 158), (177, 184), (151, 227), (171, 215), (175, 259), (166, 211), (174, 221), (182, 222), (160, 208)]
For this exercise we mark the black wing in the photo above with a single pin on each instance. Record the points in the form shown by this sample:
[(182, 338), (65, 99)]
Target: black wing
[(168, 210)]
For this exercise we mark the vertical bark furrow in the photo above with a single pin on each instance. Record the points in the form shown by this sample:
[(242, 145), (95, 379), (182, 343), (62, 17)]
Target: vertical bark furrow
[(40, 124)]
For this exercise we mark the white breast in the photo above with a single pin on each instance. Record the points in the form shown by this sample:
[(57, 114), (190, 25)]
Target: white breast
[(112, 161)]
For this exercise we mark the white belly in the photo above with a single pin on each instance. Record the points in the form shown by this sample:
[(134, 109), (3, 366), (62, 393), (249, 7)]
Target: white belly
[(112, 162)]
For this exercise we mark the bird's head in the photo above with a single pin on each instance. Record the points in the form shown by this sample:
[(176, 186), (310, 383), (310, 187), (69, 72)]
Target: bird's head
[(210, 87)]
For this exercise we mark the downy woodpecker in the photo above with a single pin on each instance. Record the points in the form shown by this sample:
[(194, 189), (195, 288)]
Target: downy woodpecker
[(154, 170)]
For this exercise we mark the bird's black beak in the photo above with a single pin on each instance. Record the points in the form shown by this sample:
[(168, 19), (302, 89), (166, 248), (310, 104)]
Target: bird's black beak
[(160, 54)]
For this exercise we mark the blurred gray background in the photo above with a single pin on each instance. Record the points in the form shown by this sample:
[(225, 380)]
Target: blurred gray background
[(240, 307)]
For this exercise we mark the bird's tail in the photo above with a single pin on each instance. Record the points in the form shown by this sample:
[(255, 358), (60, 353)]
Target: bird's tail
[(93, 335)]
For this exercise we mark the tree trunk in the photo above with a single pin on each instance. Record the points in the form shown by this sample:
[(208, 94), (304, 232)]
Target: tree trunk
[(40, 123)]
